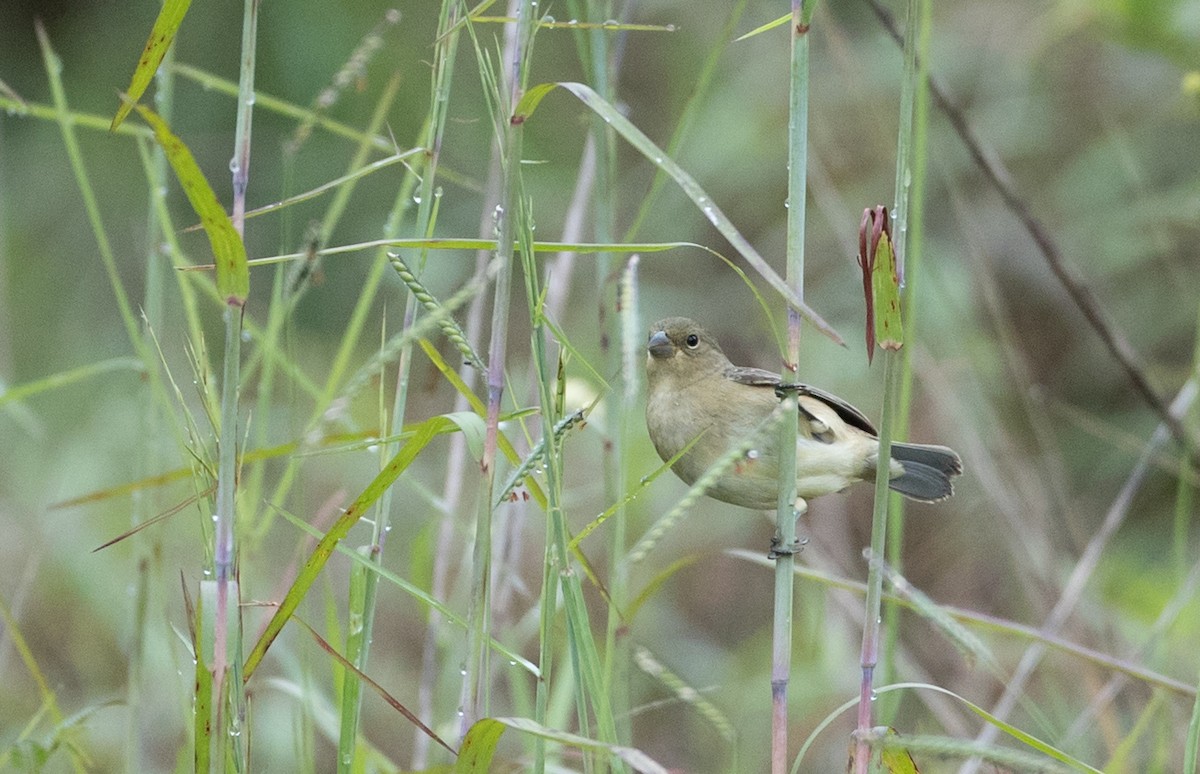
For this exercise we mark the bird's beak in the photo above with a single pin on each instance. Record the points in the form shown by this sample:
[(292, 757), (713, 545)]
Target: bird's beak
[(660, 346)]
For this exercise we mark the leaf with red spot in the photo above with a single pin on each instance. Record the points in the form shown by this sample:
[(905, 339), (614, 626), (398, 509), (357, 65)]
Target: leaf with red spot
[(161, 36)]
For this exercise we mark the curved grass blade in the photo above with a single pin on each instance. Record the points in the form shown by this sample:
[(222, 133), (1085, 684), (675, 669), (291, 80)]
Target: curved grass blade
[(1045, 748), (470, 244), (479, 745), (684, 180)]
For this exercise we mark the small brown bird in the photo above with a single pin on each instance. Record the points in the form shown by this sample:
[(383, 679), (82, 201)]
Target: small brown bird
[(694, 392)]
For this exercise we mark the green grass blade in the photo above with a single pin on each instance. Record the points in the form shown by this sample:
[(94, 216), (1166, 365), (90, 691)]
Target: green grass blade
[(233, 275), (687, 184), (162, 34), (424, 433)]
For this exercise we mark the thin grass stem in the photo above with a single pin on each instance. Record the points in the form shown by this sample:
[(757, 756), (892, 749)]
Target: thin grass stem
[(789, 506)]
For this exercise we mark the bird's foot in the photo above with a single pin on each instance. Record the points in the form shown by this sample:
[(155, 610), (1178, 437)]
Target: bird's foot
[(784, 389), (778, 550)]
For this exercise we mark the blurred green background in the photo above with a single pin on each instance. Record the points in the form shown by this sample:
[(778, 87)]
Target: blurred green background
[(1094, 108)]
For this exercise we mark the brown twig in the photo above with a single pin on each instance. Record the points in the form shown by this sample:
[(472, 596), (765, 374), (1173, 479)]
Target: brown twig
[(993, 169)]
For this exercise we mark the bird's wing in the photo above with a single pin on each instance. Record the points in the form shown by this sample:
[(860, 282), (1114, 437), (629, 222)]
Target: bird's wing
[(757, 377)]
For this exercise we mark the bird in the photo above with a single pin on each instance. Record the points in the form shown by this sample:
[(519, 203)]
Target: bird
[(696, 396)]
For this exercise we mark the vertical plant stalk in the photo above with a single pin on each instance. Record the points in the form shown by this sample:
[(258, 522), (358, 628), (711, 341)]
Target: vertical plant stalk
[(457, 457), (509, 138), (618, 651), (601, 56), (908, 207), (884, 326), (361, 608), (869, 655), (789, 507), (227, 646)]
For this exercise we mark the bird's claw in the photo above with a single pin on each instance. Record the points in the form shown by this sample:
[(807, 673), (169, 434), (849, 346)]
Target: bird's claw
[(782, 390), (778, 550)]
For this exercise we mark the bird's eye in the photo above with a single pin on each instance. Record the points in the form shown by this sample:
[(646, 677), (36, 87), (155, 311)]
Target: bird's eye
[(693, 341)]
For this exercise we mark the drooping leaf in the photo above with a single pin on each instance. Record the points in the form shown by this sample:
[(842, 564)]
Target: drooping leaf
[(229, 253)]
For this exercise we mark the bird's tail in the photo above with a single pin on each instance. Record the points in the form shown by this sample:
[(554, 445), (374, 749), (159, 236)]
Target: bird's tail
[(927, 471)]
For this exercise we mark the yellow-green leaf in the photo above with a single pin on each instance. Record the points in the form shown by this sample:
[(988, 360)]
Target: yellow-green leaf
[(229, 253), (889, 333), (896, 760), (161, 36), (478, 747)]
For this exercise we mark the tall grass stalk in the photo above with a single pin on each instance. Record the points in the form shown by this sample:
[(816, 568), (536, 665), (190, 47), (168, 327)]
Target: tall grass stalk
[(361, 608), (787, 511), (896, 374), (227, 641), (908, 205), (503, 90), (600, 55), (439, 98), (870, 640), (1184, 497)]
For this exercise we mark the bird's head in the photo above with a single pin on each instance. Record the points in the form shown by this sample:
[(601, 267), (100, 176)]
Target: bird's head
[(680, 348)]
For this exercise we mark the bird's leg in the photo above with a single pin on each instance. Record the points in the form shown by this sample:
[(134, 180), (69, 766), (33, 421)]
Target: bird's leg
[(778, 550)]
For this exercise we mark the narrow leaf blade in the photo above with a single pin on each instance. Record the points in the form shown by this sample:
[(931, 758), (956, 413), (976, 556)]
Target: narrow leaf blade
[(229, 253), (162, 34)]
